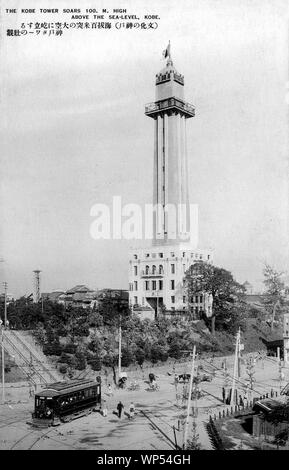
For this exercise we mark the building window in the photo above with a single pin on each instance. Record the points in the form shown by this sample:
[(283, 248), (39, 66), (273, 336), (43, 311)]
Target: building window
[(161, 269), (208, 256), (160, 285), (172, 268), (147, 285), (173, 299), (172, 284), (184, 299), (196, 299), (161, 255), (201, 299), (135, 256), (154, 269), (184, 254), (201, 256), (135, 270), (135, 285), (147, 255), (172, 255), (147, 269), (154, 285), (135, 300)]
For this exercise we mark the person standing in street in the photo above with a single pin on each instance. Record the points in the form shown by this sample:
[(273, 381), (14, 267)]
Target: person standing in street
[(120, 407), (131, 410), (104, 409)]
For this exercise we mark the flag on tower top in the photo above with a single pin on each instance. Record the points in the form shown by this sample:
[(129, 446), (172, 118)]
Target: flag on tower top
[(167, 51)]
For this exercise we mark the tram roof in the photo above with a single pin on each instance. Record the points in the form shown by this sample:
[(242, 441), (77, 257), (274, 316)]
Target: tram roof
[(63, 388)]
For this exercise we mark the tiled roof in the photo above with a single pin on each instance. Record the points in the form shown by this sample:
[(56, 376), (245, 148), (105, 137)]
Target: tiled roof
[(80, 288)]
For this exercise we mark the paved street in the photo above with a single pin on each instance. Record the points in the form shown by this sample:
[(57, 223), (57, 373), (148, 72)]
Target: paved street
[(151, 430)]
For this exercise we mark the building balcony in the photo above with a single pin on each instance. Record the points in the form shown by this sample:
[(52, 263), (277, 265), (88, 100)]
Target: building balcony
[(166, 77), (154, 293), (152, 109), (153, 274)]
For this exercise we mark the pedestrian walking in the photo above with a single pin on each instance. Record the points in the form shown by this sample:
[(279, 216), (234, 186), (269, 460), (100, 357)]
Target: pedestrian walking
[(131, 410), (119, 407), (7, 324)]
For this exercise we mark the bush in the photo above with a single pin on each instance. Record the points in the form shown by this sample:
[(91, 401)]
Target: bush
[(52, 349), (127, 357), (70, 348), (80, 361), (63, 369), (65, 358), (95, 364), (159, 353)]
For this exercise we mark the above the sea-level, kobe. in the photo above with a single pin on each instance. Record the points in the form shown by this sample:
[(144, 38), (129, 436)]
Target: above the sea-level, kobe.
[(156, 273)]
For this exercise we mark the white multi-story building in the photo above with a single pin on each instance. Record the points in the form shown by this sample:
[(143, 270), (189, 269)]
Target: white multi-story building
[(156, 274), (157, 277)]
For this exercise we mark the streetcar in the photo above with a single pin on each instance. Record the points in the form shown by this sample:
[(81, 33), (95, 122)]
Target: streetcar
[(64, 401)]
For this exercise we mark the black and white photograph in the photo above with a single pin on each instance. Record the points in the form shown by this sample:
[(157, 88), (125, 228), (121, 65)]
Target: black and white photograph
[(144, 243)]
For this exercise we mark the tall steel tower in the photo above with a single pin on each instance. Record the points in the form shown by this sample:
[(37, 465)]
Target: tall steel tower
[(36, 285)]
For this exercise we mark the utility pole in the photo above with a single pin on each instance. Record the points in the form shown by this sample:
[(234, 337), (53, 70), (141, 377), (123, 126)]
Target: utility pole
[(5, 303), (157, 304), (119, 348), (235, 373), (3, 365), (189, 399)]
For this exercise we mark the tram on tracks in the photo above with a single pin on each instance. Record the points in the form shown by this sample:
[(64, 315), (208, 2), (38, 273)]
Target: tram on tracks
[(64, 401)]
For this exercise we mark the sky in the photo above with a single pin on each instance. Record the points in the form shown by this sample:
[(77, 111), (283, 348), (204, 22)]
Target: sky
[(73, 133)]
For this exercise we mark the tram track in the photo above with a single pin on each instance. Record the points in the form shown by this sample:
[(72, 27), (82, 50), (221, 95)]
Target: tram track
[(12, 424)]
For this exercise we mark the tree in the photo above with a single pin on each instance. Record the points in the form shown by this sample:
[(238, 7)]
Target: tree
[(77, 323), (110, 353), (274, 295), (159, 351), (227, 294), (113, 310), (250, 369)]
